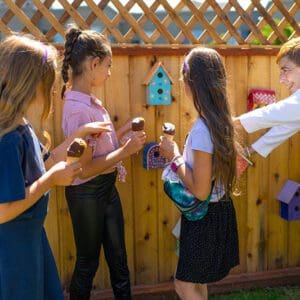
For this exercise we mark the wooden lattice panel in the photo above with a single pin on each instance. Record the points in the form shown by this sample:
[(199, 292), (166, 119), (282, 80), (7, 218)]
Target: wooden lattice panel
[(157, 22)]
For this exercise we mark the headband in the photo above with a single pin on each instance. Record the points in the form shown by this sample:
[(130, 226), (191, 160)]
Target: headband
[(184, 67)]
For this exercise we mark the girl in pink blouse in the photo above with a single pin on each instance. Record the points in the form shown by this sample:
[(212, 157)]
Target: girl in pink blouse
[(93, 199)]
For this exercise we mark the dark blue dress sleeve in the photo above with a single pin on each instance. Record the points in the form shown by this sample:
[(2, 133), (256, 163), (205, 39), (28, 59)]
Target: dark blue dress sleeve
[(12, 183)]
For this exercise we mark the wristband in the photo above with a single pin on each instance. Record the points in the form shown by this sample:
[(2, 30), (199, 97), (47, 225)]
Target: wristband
[(176, 163)]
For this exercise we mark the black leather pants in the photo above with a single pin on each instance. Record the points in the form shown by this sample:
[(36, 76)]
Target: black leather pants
[(97, 219)]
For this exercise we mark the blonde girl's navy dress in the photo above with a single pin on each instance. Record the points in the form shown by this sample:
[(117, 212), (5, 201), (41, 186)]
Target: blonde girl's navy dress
[(27, 266)]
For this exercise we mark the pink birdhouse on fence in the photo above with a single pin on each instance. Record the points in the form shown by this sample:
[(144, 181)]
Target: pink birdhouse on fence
[(260, 97), (289, 197)]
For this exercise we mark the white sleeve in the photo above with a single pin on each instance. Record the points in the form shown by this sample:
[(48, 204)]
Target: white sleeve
[(283, 112), (274, 137)]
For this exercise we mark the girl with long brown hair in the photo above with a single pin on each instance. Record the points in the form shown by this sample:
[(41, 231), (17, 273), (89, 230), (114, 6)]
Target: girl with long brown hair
[(208, 245)]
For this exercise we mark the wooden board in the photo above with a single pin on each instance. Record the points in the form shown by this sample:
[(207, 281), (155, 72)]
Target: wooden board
[(237, 94), (144, 182)]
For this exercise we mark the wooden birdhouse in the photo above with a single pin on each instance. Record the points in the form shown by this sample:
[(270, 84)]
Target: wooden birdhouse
[(158, 84), (289, 197), (152, 158), (260, 97)]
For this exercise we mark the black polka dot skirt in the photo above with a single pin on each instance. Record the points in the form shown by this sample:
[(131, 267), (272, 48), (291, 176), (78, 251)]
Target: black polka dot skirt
[(209, 247)]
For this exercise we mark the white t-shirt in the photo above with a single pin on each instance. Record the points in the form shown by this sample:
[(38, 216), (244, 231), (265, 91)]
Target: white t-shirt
[(199, 139)]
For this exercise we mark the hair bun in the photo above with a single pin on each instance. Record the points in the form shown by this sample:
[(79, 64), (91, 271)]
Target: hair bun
[(73, 33)]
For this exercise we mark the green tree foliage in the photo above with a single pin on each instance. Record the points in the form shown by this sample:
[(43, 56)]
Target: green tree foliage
[(267, 31)]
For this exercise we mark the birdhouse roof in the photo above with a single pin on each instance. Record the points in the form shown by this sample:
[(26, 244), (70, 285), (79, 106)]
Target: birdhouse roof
[(154, 69), (288, 191)]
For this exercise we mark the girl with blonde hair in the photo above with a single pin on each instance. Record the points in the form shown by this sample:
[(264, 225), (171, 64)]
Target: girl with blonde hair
[(27, 74)]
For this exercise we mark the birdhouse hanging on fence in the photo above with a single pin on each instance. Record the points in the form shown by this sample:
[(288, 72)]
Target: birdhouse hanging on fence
[(289, 197), (152, 158), (158, 84), (260, 97)]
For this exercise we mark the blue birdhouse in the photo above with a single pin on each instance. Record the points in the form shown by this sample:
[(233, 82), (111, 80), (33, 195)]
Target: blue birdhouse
[(289, 198), (158, 84)]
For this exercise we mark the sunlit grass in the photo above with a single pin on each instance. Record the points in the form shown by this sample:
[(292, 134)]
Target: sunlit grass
[(280, 293)]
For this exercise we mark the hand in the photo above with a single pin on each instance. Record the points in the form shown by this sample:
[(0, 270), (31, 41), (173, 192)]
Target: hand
[(245, 154), (168, 149), (126, 126), (63, 174), (94, 129), (249, 150), (123, 133), (237, 123), (135, 142)]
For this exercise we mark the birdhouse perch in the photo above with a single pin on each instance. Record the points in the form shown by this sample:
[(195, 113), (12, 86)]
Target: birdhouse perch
[(158, 83)]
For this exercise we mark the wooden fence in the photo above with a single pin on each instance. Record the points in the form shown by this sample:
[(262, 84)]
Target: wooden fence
[(267, 242), (157, 21)]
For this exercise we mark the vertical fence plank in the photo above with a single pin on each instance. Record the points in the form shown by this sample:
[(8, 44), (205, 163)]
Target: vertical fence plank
[(293, 161), (167, 212), (278, 172), (237, 74), (118, 105), (258, 70), (144, 183)]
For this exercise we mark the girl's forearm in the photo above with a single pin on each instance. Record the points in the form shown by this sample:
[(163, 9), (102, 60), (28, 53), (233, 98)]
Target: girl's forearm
[(100, 164), (59, 153), (186, 175), (120, 132), (10, 210)]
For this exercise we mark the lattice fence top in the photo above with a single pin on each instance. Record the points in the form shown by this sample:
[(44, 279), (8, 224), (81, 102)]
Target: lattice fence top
[(157, 22)]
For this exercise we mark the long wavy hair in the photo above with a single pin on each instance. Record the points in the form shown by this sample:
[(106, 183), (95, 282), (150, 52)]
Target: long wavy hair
[(79, 46), (203, 71), (24, 64)]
